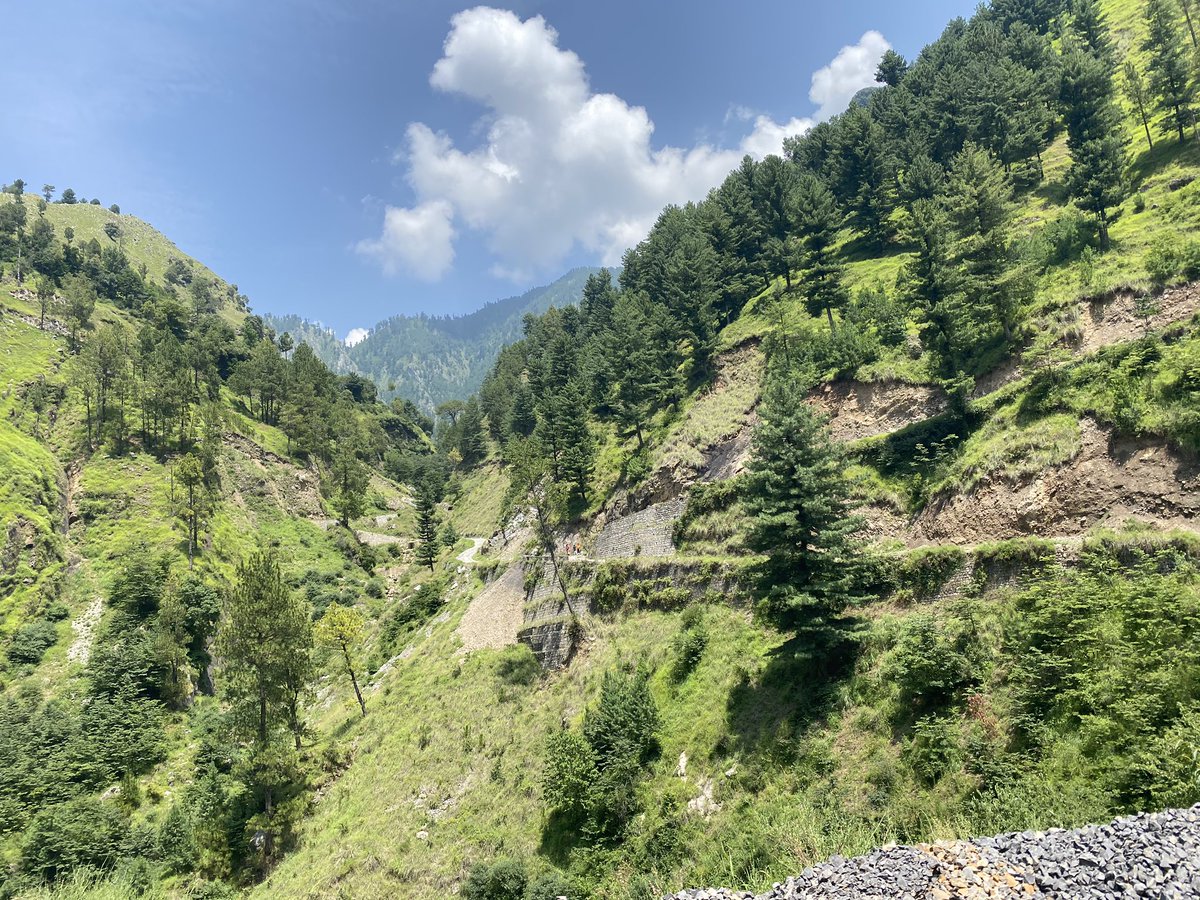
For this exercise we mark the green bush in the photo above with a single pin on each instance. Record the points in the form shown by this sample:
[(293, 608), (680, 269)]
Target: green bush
[(624, 723), (932, 749), (1163, 261), (689, 645), (548, 885), (930, 664), (518, 666), (31, 642), (71, 835), (505, 879)]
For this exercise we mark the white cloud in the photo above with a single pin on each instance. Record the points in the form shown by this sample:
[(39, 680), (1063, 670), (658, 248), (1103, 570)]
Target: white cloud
[(419, 240), (355, 336), (851, 70), (558, 167), (768, 135)]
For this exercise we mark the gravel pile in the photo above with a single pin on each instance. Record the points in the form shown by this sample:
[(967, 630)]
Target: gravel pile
[(1151, 855)]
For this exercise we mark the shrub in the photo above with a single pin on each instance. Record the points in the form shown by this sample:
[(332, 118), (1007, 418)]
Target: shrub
[(689, 644), (929, 664), (67, 836), (548, 886), (1163, 260), (569, 772), (518, 666), (625, 720), (31, 642), (1063, 239), (932, 749), (505, 879)]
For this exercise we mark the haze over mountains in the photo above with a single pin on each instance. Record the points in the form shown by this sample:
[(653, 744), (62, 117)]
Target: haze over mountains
[(432, 359)]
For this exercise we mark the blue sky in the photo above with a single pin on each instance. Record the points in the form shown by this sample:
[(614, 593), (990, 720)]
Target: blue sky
[(349, 161)]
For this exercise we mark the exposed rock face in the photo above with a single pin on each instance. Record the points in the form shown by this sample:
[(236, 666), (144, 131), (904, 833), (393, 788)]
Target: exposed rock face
[(1153, 856), (1109, 481), (860, 409)]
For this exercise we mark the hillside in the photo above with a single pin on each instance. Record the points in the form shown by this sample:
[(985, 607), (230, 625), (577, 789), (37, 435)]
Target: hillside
[(859, 511), (432, 359)]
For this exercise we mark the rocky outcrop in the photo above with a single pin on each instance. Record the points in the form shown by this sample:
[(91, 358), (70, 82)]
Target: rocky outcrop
[(1109, 481), (1152, 856), (862, 409)]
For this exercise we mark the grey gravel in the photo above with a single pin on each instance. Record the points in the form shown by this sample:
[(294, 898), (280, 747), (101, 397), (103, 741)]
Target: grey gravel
[(1155, 856)]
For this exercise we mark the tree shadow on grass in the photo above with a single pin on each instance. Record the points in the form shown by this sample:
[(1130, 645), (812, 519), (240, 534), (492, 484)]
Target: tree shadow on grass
[(798, 687)]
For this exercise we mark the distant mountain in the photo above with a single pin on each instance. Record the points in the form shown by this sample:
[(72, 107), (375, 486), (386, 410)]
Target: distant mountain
[(432, 359)]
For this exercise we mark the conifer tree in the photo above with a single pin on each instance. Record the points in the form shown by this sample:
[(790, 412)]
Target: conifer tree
[(818, 221), (1089, 27), (195, 506), (265, 645), (798, 501), (648, 373), (427, 528), (1138, 96), (341, 628), (1170, 69), (1187, 14), (1094, 135), (980, 198)]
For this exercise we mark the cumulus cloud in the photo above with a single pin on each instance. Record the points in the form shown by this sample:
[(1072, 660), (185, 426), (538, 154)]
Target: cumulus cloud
[(558, 166), (851, 70), (419, 240), (355, 336)]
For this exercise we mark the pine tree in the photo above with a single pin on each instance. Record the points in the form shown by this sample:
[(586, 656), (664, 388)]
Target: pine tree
[(195, 507), (1094, 136), (863, 174), (265, 644), (648, 374), (347, 471), (798, 501), (1170, 69), (427, 528), (472, 443), (819, 222), (1138, 96), (1187, 14), (1088, 25), (980, 199)]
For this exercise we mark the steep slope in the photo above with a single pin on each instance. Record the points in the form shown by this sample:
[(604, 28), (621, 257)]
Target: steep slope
[(432, 359)]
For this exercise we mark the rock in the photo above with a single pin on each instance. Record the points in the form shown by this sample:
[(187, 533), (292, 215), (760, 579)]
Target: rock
[(1155, 855)]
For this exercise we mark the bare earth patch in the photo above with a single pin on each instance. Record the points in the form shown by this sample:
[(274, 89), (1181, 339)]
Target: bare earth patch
[(860, 409), (495, 614), (84, 629), (1109, 481), (1113, 319)]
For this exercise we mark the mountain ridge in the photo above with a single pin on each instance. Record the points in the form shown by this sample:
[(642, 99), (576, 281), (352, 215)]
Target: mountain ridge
[(430, 359)]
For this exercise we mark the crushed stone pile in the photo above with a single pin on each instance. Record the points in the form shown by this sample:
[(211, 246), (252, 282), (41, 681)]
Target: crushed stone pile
[(1150, 856)]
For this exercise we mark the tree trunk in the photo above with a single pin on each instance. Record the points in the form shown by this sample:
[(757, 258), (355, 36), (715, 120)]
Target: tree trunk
[(829, 314), (354, 681), (1187, 14)]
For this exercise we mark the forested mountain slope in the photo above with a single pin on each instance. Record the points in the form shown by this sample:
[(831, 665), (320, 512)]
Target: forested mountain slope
[(433, 359), (860, 509)]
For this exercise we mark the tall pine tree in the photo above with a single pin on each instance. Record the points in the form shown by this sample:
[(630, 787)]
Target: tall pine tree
[(798, 501), (1170, 69)]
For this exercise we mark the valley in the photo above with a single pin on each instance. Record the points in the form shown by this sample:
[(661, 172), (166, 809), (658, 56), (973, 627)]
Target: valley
[(859, 508)]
